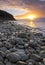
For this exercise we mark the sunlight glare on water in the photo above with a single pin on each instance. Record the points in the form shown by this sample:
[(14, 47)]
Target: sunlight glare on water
[(31, 23)]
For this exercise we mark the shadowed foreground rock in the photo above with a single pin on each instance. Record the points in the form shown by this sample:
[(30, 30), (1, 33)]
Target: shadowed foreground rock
[(5, 15), (20, 46)]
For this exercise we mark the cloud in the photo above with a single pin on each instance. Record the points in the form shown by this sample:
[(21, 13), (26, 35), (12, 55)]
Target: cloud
[(22, 3), (35, 5)]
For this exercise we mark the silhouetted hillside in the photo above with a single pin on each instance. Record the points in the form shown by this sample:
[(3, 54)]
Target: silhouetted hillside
[(6, 16)]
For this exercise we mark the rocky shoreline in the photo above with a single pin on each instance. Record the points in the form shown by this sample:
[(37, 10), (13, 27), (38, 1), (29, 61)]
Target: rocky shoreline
[(20, 46)]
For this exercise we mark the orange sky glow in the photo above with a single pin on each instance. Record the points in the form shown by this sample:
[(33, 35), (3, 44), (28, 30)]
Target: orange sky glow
[(35, 14), (24, 9)]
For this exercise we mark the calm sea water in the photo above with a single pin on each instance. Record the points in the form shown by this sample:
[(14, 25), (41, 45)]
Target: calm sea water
[(40, 25)]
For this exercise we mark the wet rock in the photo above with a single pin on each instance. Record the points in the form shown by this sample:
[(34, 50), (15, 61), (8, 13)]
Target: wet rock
[(7, 52), (42, 47), (20, 46), (1, 58), (44, 61), (21, 63), (19, 41), (36, 57), (5, 61), (13, 49), (33, 43), (22, 35), (1, 44), (2, 54), (8, 63), (8, 45), (1, 63), (42, 53), (30, 63), (3, 49), (23, 55), (13, 57)]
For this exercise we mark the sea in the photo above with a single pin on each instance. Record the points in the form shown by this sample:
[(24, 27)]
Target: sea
[(38, 24)]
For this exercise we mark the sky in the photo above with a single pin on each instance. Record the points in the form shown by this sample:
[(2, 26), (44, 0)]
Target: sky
[(22, 8)]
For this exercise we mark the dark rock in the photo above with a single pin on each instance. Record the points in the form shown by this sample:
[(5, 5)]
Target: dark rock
[(22, 35), (1, 63), (42, 53), (13, 49), (36, 57), (6, 60), (2, 54), (31, 61), (5, 16), (20, 46), (23, 55), (8, 45), (19, 41), (8, 63), (13, 57), (1, 58), (7, 52), (44, 61), (3, 49), (1, 44)]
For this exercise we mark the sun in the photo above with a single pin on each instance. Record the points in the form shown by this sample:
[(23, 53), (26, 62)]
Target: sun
[(31, 17)]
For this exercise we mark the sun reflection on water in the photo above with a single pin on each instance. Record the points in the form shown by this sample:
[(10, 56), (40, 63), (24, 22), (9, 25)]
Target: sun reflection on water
[(32, 24)]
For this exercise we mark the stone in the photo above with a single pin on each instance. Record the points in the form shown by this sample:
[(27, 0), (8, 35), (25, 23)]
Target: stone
[(1, 63), (44, 61), (42, 47), (23, 55), (8, 45), (13, 49), (19, 41), (36, 57), (7, 52), (22, 35), (20, 46), (6, 60), (42, 53), (3, 49), (21, 63), (13, 57), (30, 63), (8, 63), (1, 44), (2, 54), (1, 58)]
